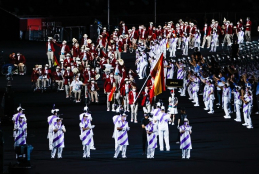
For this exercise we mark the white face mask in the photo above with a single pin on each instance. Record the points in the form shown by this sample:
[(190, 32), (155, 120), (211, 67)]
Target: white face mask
[(57, 70), (88, 69), (146, 90), (134, 89), (127, 82), (77, 78), (92, 82), (111, 75), (172, 94)]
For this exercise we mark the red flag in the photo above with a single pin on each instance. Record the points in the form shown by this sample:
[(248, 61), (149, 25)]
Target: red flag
[(158, 74), (111, 94), (55, 61)]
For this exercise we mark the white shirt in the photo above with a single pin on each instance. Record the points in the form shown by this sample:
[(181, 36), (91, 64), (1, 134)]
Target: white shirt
[(76, 85)]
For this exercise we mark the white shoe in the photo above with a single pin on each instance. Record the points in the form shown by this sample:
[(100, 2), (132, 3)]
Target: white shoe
[(84, 156), (196, 105), (108, 109), (237, 120), (210, 112), (245, 124), (92, 148), (249, 127), (218, 104), (190, 99), (206, 109), (173, 123), (257, 113), (131, 120), (124, 157), (194, 101), (114, 157), (227, 117), (135, 121)]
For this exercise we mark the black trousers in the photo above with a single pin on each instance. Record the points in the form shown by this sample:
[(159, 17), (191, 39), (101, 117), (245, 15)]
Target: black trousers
[(144, 141)]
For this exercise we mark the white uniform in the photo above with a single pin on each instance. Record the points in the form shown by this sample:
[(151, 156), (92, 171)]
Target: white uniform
[(240, 37), (142, 65), (185, 46), (20, 133), (185, 139), (52, 121), (225, 96), (151, 139), (163, 119), (122, 138), (89, 116), (172, 48), (197, 41), (58, 140), (247, 107), (211, 98), (195, 90), (115, 119), (86, 136), (170, 71), (238, 104), (214, 42), (172, 108)]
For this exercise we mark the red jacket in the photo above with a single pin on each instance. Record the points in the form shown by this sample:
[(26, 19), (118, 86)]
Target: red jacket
[(131, 97), (143, 34), (67, 49), (86, 76), (47, 72), (34, 76), (67, 62), (89, 86), (123, 90), (56, 76), (121, 30), (149, 83), (68, 77), (76, 51), (145, 97), (51, 46), (248, 25), (20, 59), (108, 85)]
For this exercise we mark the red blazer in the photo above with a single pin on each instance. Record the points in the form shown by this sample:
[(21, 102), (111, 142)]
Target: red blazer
[(122, 89), (143, 102), (82, 42), (76, 51), (113, 62), (67, 49), (92, 49), (47, 72), (108, 85), (121, 30), (143, 34), (150, 31), (21, 59), (103, 62), (219, 30), (55, 76), (68, 77), (51, 45), (120, 45), (149, 83), (248, 27), (86, 76), (158, 32), (95, 87), (131, 97), (34, 76), (66, 63)]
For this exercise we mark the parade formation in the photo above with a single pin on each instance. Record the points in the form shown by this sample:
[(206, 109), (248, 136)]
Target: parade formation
[(80, 67)]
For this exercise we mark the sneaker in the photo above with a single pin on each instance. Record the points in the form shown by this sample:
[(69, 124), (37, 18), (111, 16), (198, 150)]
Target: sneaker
[(210, 112), (135, 121), (249, 127), (173, 123), (245, 124), (227, 117), (131, 120), (177, 142), (217, 104), (196, 105), (237, 120), (206, 109)]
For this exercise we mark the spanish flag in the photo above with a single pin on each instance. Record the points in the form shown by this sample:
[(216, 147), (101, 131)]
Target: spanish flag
[(111, 94), (167, 44), (158, 74), (55, 61)]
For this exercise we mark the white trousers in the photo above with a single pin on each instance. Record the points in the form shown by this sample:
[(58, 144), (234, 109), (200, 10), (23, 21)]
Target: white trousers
[(195, 97), (238, 114), (248, 35), (126, 102), (150, 152), (164, 134), (118, 149), (208, 39), (86, 152), (172, 51), (54, 150), (50, 58), (211, 105), (186, 153), (147, 107), (190, 93), (185, 50), (134, 111), (227, 39), (225, 99)]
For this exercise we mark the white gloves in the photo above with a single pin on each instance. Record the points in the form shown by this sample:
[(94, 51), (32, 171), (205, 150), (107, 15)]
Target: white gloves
[(93, 126)]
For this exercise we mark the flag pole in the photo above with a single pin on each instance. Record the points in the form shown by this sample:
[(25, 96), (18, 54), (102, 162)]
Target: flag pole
[(141, 88)]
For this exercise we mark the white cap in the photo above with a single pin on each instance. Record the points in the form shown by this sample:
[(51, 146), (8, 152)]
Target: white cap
[(162, 108), (20, 108), (85, 108), (185, 119), (54, 110), (158, 104)]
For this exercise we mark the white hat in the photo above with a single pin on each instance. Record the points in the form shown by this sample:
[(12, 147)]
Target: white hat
[(54, 110), (64, 41), (89, 41), (185, 119), (116, 29), (162, 107), (57, 67), (85, 35), (104, 28), (151, 23), (158, 104), (68, 55), (85, 108), (20, 108), (125, 115), (68, 68), (46, 65)]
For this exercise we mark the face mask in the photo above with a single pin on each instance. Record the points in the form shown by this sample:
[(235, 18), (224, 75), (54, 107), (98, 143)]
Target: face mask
[(127, 82), (134, 89), (123, 70), (124, 118), (59, 123), (111, 75), (219, 75), (77, 78), (185, 123), (146, 90), (88, 69)]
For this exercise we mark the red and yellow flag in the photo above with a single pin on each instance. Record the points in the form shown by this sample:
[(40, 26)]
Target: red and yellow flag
[(111, 94), (55, 61), (158, 74), (167, 44)]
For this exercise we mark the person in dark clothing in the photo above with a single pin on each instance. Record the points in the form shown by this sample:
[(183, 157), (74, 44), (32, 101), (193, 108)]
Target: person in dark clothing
[(180, 121), (144, 122)]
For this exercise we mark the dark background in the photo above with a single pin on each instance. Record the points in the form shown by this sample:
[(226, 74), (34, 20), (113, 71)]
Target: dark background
[(133, 12)]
